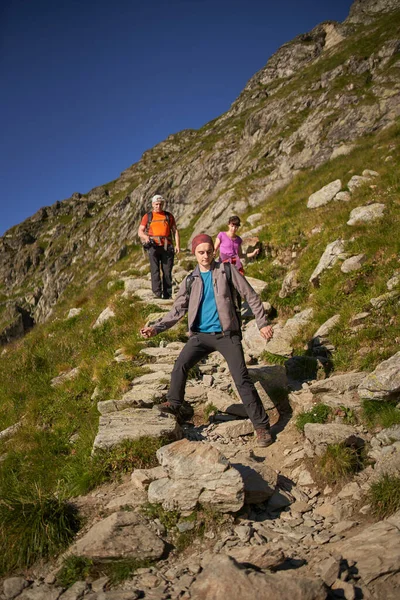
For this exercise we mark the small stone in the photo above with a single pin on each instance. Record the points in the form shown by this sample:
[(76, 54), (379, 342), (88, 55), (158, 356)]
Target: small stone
[(13, 586)]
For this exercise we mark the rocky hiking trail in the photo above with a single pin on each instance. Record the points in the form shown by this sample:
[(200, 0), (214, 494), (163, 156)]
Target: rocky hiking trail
[(268, 527)]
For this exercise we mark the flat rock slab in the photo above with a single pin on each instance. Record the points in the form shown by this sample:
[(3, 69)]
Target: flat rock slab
[(338, 383), (329, 433), (376, 550), (325, 194), (197, 473), (132, 424), (224, 578), (234, 429), (122, 535), (384, 382), (260, 557), (366, 214)]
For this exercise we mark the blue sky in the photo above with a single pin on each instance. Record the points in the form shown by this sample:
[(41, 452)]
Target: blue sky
[(87, 86)]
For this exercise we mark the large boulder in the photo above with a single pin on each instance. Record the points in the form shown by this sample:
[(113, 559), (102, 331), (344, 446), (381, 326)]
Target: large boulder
[(197, 473), (376, 550), (223, 578), (384, 382), (121, 536)]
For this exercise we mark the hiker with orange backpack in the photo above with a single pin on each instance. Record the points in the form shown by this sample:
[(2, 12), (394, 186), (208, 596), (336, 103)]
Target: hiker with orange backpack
[(155, 232), (207, 297)]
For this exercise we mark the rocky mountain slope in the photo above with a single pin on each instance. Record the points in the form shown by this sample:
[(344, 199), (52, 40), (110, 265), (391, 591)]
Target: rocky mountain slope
[(316, 96)]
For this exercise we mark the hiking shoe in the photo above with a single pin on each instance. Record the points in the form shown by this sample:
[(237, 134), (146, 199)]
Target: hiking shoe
[(168, 409), (263, 438), (182, 413)]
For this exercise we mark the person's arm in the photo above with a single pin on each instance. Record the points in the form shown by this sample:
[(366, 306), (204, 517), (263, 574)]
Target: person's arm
[(177, 241), (142, 233), (178, 311), (217, 245)]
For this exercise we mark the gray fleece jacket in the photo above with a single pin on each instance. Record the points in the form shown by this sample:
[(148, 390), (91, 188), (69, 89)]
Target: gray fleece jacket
[(189, 303)]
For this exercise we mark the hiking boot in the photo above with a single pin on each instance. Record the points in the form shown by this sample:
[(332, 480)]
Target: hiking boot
[(182, 413), (167, 408), (263, 438)]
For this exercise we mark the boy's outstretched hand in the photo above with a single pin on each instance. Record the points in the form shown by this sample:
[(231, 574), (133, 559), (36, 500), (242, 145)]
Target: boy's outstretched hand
[(267, 332), (147, 332)]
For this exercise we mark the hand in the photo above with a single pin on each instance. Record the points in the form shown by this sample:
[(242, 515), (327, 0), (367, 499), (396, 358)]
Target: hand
[(267, 332), (177, 249), (148, 332)]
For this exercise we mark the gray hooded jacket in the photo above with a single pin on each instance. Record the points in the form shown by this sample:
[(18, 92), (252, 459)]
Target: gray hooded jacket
[(189, 303)]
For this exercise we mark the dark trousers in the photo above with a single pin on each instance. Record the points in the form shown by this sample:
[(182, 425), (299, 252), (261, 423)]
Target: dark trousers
[(159, 257), (201, 345)]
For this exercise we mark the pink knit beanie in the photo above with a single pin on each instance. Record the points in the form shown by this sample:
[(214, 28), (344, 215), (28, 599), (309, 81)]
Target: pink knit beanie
[(201, 238)]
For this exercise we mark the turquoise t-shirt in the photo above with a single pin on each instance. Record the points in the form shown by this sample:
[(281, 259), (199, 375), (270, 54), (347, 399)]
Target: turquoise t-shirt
[(207, 320)]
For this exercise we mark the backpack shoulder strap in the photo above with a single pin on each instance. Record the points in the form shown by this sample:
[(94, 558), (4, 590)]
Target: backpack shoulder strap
[(149, 218), (228, 271), (189, 283)]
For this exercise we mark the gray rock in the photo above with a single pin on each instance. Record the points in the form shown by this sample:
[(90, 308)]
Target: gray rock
[(343, 197), (390, 435), (384, 382), (13, 586), (122, 535), (226, 403), (376, 550), (357, 181), (259, 479), (107, 314), (256, 556), (325, 194), (383, 299), (234, 429), (72, 374), (76, 591), (329, 433), (197, 472), (252, 219), (73, 312), (393, 282), (258, 285), (328, 259), (132, 424), (283, 336), (223, 578), (327, 326), (366, 214), (41, 592), (354, 263), (338, 383), (289, 284)]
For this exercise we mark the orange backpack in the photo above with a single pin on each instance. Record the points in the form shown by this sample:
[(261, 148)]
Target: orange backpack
[(159, 227)]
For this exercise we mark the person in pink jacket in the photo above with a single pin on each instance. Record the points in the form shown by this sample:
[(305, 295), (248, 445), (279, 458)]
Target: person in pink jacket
[(229, 245)]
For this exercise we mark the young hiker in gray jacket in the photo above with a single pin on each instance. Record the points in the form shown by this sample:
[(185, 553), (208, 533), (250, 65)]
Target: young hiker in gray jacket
[(214, 326)]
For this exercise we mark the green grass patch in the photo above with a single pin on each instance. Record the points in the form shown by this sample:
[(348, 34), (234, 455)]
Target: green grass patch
[(339, 462), (377, 413), (74, 568), (124, 458), (319, 414), (34, 525), (210, 409), (384, 496)]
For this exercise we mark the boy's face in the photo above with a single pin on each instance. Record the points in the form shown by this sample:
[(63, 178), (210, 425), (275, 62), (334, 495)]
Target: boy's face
[(204, 254)]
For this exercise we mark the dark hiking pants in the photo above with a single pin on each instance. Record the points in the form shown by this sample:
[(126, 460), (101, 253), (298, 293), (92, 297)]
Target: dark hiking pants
[(201, 345), (159, 257)]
